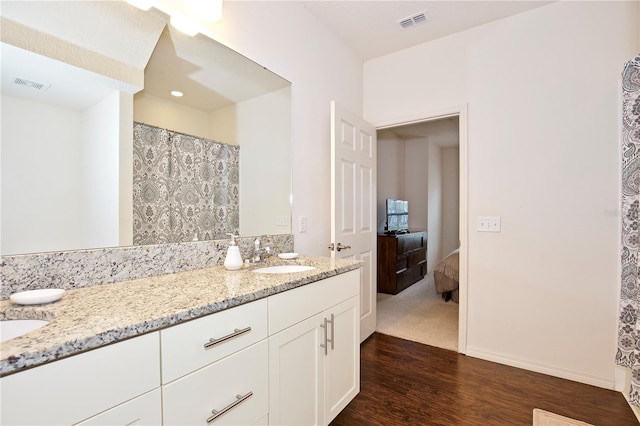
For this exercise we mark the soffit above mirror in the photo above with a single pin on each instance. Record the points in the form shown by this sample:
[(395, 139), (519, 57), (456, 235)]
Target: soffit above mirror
[(210, 75), (90, 25)]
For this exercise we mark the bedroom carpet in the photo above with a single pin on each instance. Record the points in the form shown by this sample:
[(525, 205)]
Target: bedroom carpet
[(545, 418), (419, 314)]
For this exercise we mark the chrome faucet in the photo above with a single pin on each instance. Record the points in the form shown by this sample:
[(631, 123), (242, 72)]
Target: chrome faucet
[(260, 254)]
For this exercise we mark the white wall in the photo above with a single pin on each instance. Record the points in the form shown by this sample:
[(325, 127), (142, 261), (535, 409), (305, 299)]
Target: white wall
[(543, 119), (41, 149), (293, 44), (416, 177), (391, 166), (223, 125), (434, 204), (264, 134), (450, 199), (100, 174), (155, 111), (67, 163), (125, 175)]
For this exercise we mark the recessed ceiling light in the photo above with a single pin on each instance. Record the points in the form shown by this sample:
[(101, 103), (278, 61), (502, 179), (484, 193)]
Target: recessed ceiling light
[(177, 93)]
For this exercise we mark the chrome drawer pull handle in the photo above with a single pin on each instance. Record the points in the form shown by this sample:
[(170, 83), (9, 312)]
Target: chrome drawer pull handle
[(239, 400), (332, 332), (324, 345), (236, 332)]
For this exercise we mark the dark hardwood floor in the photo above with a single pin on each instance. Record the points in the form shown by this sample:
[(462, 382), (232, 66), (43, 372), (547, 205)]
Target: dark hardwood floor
[(408, 383)]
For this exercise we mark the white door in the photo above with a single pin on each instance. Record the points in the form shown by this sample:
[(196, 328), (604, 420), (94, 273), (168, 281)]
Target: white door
[(353, 203)]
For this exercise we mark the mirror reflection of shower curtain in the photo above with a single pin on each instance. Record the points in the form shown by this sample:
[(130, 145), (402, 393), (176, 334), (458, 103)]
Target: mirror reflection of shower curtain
[(185, 187), (628, 353)]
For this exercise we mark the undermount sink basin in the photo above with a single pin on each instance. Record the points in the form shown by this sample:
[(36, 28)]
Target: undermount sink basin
[(10, 329), (283, 269)]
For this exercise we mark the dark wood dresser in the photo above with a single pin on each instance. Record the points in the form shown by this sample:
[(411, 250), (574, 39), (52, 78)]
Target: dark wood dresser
[(402, 261)]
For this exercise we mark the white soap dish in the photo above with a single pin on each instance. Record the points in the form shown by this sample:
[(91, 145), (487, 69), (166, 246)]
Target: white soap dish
[(288, 256), (37, 297)]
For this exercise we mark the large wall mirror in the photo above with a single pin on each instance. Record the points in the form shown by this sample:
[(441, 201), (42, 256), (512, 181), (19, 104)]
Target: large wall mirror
[(71, 92)]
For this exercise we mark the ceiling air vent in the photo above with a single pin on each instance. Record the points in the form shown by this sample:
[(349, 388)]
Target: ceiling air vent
[(19, 81), (415, 19)]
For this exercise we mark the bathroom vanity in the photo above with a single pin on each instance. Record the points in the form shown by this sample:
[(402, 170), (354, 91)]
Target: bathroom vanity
[(202, 347)]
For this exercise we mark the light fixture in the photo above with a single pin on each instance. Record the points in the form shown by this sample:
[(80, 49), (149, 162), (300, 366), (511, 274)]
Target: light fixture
[(184, 25), (208, 10), (177, 93), (211, 10), (140, 4)]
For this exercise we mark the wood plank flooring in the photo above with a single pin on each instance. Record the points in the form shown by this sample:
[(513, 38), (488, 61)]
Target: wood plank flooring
[(408, 383)]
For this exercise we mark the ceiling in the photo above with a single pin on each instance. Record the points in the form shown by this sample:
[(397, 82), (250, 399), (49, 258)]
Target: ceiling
[(370, 28), (444, 132)]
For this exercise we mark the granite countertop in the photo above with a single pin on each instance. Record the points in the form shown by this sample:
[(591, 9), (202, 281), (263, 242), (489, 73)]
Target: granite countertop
[(91, 317)]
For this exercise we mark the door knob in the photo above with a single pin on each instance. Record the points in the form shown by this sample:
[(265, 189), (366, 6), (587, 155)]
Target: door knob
[(341, 247)]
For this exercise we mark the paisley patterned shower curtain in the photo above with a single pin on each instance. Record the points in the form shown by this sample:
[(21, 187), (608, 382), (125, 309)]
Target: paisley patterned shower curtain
[(628, 353), (184, 187)]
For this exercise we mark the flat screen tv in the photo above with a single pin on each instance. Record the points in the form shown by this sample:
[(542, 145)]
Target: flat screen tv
[(397, 216)]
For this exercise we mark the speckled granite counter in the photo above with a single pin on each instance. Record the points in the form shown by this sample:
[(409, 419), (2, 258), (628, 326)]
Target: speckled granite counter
[(91, 317)]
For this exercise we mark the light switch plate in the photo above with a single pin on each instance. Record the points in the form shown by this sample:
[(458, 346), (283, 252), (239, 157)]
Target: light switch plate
[(489, 224), (302, 224), (281, 221)]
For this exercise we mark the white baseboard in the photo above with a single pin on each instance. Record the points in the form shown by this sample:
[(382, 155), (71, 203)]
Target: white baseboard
[(623, 383), (602, 382)]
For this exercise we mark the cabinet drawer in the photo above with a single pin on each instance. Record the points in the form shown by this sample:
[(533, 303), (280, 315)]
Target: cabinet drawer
[(143, 410), (191, 399), (416, 257), (408, 242), (410, 276), (78, 387), (183, 345), (290, 307)]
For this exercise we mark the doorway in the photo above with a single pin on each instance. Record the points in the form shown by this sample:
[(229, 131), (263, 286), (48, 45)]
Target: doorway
[(419, 168)]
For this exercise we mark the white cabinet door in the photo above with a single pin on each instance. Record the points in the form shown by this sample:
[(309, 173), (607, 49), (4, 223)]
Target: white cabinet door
[(342, 372), (296, 374), (308, 384), (143, 410)]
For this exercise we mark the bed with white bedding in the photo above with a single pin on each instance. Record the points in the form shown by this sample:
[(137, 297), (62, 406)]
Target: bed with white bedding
[(446, 276)]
